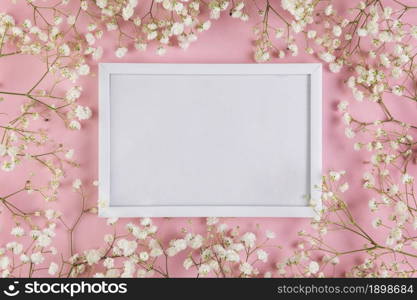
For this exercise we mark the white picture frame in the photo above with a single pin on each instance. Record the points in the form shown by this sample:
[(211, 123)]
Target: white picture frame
[(151, 114)]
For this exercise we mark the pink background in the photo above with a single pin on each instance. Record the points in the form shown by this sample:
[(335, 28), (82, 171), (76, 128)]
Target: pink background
[(228, 41)]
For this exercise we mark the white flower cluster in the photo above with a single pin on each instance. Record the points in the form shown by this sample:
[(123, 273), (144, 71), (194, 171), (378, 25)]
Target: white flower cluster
[(302, 10), (154, 27), (224, 251)]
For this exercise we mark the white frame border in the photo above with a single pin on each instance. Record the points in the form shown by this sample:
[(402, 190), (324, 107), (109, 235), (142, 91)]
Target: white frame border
[(312, 69)]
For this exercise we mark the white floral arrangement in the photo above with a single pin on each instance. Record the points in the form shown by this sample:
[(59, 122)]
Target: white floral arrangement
[(373, 42)]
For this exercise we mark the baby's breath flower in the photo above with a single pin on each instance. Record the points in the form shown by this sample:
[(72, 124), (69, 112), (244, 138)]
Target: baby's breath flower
[(69, 154), (262, 255), (249, 239), (246, 268), (73, 94), (212, 221), (53, 269), (270, 234), (77, 184), (120, 52), (75, 125), (349, 133), (83, 112), (407, 179), (37, 258), (376, 222), (101, 3), (313, 267), (344, 187), (92, 256), (4, 262), (204, 269), (17, 231)]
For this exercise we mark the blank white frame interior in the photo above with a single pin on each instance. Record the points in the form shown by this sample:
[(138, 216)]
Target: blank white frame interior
[(193, 140)]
